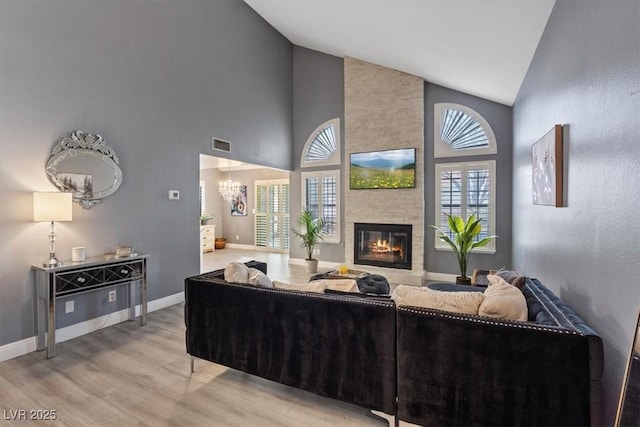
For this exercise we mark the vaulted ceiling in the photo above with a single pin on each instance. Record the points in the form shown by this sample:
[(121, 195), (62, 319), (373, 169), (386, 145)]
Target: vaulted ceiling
[(480, 47)]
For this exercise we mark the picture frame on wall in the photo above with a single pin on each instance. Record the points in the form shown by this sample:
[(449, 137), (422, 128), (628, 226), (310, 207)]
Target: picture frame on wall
[(546, 164), (239, 202)]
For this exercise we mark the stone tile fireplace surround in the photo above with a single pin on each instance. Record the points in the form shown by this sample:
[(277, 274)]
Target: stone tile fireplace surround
[(384, 109)]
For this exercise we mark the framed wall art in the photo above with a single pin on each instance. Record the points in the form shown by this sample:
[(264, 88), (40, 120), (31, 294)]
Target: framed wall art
[(239, 202), (546, 162)]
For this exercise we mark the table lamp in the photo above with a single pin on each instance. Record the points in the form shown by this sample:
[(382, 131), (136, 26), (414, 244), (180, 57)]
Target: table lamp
[(52, 207)]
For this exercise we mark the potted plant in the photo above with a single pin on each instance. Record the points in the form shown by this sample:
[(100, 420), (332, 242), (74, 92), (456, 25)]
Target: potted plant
[(205, 218), (310, 233), (463, 242)]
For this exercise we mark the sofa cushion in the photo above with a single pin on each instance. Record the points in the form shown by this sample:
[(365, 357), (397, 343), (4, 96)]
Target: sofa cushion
[(457, 302), (503, 301), (512, 277), (258, 278), (318, 286), (236, 272)]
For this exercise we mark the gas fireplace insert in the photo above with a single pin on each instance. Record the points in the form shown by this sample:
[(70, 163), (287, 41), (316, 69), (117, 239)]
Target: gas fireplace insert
[(382, 245)]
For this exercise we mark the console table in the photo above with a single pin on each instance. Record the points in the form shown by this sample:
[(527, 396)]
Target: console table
[(80, 277)]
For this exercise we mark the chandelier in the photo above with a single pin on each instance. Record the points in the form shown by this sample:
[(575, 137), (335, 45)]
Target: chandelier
[(229, 189)]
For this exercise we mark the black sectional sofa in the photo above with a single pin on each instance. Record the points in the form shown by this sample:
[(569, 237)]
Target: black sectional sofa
[(424, 366), (338, 346)]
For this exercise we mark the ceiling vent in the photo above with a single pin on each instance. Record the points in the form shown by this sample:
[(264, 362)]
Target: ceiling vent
[(220, 145)]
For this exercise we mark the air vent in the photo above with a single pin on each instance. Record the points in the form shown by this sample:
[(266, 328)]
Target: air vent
[(220, 145)]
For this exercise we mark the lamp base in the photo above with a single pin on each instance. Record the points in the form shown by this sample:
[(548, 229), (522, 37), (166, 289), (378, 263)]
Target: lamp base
[(52, 263)]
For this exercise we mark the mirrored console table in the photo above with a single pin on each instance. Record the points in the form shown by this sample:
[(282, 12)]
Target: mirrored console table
[(74, 278)]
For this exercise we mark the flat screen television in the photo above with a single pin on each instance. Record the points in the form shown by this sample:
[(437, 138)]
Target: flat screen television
[(383, 169)]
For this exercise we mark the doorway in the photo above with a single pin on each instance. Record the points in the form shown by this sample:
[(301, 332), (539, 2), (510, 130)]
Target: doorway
[(263, 223)]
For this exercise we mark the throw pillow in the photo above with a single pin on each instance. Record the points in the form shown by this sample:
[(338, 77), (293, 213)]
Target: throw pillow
[(258, 278), (304, 287), (503, 301), (512, 277), (236, 272), (457, 302)]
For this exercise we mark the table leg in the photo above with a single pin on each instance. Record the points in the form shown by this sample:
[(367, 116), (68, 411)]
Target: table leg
[(51, 318), (143, 295), (41, 310), (132, 301)]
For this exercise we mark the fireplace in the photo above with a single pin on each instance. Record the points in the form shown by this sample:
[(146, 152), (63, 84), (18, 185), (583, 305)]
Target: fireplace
[(382, 245)]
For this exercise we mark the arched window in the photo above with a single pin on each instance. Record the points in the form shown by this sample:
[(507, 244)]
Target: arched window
[(461, 131), (323, 145)]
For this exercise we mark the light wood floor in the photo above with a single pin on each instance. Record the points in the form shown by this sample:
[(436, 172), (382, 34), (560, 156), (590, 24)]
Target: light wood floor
[(132, 375), (278, 266)]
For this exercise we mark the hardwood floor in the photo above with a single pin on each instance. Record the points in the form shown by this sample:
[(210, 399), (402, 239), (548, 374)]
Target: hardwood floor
[(277, 263), (132, 375)]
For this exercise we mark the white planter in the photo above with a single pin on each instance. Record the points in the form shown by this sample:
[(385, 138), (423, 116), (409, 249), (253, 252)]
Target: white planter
[(312, 265)]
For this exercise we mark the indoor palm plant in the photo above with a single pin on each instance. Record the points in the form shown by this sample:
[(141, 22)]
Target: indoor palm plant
[(463, 241), (310, 232)]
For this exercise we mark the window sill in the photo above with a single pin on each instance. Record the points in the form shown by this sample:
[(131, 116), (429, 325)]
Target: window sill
[(485, 250)]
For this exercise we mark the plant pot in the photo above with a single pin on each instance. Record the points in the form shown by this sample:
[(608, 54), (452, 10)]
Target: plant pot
[(312, 265), (463, 281)]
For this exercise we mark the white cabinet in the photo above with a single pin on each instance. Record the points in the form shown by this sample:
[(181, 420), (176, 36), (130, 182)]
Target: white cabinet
[(208, 238)]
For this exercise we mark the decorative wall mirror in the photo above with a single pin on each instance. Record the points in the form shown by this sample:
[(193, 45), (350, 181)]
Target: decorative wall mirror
[(84, 165), (629, 407)]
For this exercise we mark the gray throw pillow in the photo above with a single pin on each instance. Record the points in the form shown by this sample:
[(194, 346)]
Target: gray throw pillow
[(512, 277)]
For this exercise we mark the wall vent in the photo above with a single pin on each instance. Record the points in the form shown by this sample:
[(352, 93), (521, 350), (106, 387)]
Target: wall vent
[(220, 144)]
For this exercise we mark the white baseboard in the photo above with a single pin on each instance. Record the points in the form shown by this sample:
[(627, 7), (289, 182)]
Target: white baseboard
[(27, 345), (254, 248), (322, 264)]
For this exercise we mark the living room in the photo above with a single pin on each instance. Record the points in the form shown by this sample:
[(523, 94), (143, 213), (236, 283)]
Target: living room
[(159, 79)]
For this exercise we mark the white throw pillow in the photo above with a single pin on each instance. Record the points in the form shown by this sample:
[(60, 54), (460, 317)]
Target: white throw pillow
[(457, 302), (304, 287), (236, 272), (503, 301), (258, 278)]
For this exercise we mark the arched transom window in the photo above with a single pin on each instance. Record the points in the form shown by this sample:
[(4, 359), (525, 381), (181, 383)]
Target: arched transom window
[(461, 131), (323, 145)]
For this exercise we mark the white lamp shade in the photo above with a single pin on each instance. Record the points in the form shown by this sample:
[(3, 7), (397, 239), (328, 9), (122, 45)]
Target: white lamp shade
[(52, 207)]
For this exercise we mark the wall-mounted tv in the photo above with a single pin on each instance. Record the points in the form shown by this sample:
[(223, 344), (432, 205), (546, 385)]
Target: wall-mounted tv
[(383, 169)]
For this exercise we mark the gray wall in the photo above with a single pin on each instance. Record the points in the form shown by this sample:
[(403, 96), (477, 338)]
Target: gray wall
[(157, 79), (318, 96), (229, 226), (586, 74), (499, 118)]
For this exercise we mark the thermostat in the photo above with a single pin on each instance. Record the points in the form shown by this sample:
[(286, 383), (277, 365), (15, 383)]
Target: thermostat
[(174, 195)]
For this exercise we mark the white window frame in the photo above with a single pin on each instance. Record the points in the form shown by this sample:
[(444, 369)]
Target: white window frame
[(443, 149), (464, 167), (320, 175), (284, 232), (202, 194), (334, 157)]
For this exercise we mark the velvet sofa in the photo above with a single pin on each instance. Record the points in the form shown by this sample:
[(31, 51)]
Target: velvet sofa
[(333, 345), (463, 370), (424, 366)]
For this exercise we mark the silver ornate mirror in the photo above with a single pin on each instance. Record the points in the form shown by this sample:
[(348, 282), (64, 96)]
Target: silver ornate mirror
[(83, 164)]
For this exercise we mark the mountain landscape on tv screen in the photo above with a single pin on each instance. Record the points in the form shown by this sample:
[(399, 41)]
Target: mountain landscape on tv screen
[(383, 169)]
